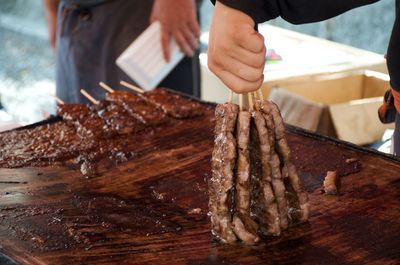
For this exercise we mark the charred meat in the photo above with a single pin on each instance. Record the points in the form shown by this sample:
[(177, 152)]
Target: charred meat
[(175, 105)]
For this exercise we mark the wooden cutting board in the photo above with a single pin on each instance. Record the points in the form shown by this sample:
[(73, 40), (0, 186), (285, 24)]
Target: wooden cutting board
[(153, 208)]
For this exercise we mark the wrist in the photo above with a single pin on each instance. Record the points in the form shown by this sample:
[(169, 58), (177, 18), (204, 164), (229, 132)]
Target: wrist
[(396, 96), (233, 15)]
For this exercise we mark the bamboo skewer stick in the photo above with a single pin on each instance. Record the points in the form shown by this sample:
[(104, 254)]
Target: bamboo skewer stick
[(250, 100), (260, 94), (130, 86), (59, 101), (241, 102), (89, 97), (230, 98), (255, 97), (106, 87)]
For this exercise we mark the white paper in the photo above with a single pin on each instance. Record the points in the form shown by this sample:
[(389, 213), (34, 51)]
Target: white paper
[(143, 60)]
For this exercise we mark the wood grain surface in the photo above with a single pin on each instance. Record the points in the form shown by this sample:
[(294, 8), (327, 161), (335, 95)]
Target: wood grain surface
[(153, 208)]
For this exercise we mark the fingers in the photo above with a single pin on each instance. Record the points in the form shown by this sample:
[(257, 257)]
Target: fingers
[(190, 37), (186, 38), (183, 44), (256, 60), (238, 85), (244, 71), (254, 41), (165, 44), (194, 27)]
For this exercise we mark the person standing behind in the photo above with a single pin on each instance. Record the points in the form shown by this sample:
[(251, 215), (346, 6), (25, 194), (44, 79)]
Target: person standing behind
[(89, 35), (236, 52)]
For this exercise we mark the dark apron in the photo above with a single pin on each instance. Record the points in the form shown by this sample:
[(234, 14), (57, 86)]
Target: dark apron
[(396, 137), (91, 37)]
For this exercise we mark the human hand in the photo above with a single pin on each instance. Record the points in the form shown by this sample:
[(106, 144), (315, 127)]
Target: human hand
[(236, 52), (178, 19)]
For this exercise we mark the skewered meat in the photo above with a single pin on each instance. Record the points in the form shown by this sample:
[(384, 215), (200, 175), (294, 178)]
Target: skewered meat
[(87, 123), (175, 105), (268, 196), (244, 227), (288, 168), (268, 214), (277, 180), (118, 119), (223, 164), (139, 107)]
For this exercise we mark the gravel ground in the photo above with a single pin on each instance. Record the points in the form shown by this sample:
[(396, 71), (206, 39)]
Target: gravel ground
[(27, 68)]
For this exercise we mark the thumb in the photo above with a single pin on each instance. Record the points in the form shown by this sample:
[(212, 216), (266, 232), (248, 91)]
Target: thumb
[(165, 38), (251, 40)]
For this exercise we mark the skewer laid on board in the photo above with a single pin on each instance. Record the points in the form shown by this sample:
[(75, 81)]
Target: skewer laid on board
[(59, 100), (106, 87), (130, 86), (89, 97)]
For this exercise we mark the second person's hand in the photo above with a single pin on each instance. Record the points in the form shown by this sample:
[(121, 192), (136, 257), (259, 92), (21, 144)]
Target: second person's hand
[(178, 19), (236, 52)]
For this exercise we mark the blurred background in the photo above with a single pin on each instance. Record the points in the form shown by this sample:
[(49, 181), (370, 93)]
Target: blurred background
[(27, 62)]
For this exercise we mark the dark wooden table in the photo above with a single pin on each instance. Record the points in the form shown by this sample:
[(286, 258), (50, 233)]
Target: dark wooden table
[(153, 208)]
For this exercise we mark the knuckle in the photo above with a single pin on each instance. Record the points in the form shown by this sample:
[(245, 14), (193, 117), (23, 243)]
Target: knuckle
[(212, 66), (237, 89)]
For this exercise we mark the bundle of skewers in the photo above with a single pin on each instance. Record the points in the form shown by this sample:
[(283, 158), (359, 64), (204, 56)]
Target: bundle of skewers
[(255, 190)]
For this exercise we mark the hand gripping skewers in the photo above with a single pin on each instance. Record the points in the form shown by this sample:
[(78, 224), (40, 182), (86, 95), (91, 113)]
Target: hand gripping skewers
[(254, 190)]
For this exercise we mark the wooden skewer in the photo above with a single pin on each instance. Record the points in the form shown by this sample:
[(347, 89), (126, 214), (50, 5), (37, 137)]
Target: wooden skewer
[(250, 99), (59, 101), (134, 88), (230, 96), (254, 95), (106, 87), (89, 97), (241, 102), (260, 94)]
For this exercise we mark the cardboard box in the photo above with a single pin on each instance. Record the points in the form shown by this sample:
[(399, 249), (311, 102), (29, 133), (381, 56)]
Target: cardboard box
[(349, 100)]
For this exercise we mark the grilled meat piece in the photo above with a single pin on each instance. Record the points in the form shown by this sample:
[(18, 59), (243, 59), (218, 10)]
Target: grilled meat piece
[(117, 119), (86, 122), (288, 167), (278, 185), (248, 236), (221, 185), (244, 227), (175, 105), (138, 107), (266, 206)]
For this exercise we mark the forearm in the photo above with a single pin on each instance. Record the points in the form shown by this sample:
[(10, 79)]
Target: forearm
[(50, 9)]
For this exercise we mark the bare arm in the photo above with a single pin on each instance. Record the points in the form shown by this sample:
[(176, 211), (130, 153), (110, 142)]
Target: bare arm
[(50, 9)]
